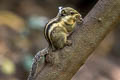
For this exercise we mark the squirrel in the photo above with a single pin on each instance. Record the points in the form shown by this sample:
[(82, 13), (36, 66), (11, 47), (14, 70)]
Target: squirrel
[(58, 29), (56, 33)]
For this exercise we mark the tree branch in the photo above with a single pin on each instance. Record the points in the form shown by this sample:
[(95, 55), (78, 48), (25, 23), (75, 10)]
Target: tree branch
[(100, 20)]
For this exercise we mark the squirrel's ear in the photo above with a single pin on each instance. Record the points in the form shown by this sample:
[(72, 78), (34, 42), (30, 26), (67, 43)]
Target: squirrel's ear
[(60, 8)]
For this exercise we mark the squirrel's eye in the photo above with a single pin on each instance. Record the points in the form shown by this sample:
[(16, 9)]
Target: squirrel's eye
[(72, 13), (63, 12)]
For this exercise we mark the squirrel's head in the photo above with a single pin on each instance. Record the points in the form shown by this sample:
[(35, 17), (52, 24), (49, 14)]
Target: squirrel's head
[(68, 11)]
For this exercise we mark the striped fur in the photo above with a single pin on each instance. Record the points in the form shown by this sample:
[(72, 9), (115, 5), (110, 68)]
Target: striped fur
[(67, 23), (56, 22), (48, 26)]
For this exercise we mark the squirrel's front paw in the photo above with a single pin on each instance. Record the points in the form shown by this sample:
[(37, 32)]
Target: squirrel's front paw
[(68, 43)]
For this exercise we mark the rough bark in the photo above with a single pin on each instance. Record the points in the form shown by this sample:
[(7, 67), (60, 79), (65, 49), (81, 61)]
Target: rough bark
[(104, 16)]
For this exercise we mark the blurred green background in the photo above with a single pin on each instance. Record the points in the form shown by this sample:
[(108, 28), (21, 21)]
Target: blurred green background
[(21, 37)]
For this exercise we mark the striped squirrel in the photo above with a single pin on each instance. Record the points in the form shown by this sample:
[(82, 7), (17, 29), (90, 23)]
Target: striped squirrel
[(59, 28), (56, 33)]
